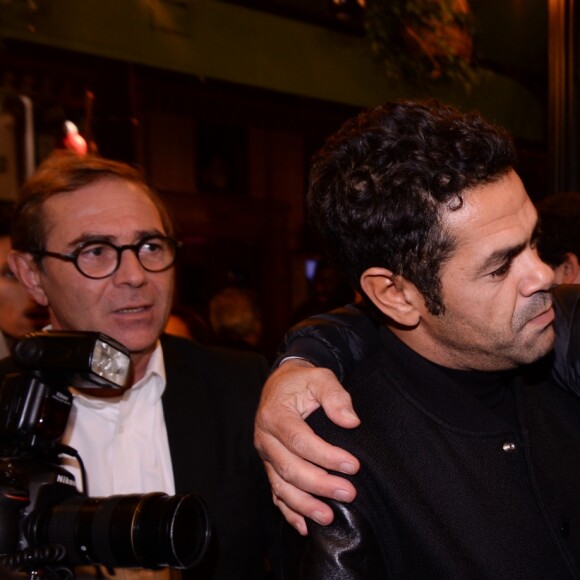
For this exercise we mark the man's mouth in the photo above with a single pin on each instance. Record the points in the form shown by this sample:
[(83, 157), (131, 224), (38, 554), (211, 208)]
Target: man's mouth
[(132, 309), (539, 311), (547, 315)]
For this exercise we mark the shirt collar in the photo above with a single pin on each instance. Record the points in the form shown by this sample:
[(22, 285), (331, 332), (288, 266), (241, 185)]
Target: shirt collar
[(155, 370)]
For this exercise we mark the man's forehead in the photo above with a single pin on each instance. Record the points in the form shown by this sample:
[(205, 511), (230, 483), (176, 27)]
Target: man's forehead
[(495, 215), (100, 201), (492, 206), (95, 190)]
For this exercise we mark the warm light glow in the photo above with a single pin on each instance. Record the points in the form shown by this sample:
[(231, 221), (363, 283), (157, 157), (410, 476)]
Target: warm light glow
[(73, 140)]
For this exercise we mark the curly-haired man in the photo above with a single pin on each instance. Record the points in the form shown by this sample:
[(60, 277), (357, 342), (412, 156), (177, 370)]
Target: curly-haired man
[(468, 450)]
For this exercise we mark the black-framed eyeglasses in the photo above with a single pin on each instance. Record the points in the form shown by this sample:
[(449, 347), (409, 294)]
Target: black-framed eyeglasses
[(101, 259)]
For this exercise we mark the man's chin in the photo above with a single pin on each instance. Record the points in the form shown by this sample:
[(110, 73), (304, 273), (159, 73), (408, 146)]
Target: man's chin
[(141, 348), (539, 346), (140, 342)]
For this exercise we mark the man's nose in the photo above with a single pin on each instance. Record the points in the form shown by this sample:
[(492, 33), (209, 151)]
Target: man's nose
[(130, 269), (540, 276)]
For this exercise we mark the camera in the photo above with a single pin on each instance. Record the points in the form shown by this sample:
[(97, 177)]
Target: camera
[(48, 526)]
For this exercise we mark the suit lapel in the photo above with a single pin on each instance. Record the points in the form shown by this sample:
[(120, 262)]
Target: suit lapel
[(188, 416)]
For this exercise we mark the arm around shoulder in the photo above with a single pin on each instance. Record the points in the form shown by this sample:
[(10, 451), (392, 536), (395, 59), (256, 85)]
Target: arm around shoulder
[(335, 340)]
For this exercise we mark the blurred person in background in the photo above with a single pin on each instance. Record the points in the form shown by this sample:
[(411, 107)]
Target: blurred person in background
[(186, 322), (19, 314), (328, 289), (236, 319), (559, 241)]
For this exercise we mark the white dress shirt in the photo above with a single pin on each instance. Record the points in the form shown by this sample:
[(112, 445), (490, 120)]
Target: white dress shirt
[(123, 444), (123, 440)]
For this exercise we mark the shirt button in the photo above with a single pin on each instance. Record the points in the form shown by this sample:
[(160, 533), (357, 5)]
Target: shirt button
[(509, 447), (565, 529)]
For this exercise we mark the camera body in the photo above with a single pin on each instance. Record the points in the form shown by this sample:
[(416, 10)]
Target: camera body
[(28, 487), (46, 523)]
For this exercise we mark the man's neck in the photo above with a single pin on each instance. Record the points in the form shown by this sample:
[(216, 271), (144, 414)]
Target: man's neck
[(414, 338)]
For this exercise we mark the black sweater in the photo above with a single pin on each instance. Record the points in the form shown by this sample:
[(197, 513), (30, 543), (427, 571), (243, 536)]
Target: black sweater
[(464, 475)]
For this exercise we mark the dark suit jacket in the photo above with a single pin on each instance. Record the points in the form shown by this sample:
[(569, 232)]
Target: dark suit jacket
[(209, 405)]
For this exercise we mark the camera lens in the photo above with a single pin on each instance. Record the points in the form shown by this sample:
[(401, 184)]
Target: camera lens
[(126, 531)]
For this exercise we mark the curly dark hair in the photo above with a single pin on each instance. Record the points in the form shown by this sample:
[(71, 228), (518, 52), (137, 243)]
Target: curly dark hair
[(381, 185)]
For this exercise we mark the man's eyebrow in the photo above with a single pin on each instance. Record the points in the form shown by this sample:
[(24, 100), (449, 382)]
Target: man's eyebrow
[(84, 238), (502, 255), (87, 238), (499, 257)]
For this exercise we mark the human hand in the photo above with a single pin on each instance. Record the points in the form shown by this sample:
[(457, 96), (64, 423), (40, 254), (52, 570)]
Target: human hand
[(295, 458)]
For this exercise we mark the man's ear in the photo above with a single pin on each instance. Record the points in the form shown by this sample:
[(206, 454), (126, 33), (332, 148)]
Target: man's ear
[(392, 295), (569, 269), (26, 270)]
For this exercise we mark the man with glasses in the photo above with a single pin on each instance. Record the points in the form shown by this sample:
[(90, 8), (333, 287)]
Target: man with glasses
[(95, 245)]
